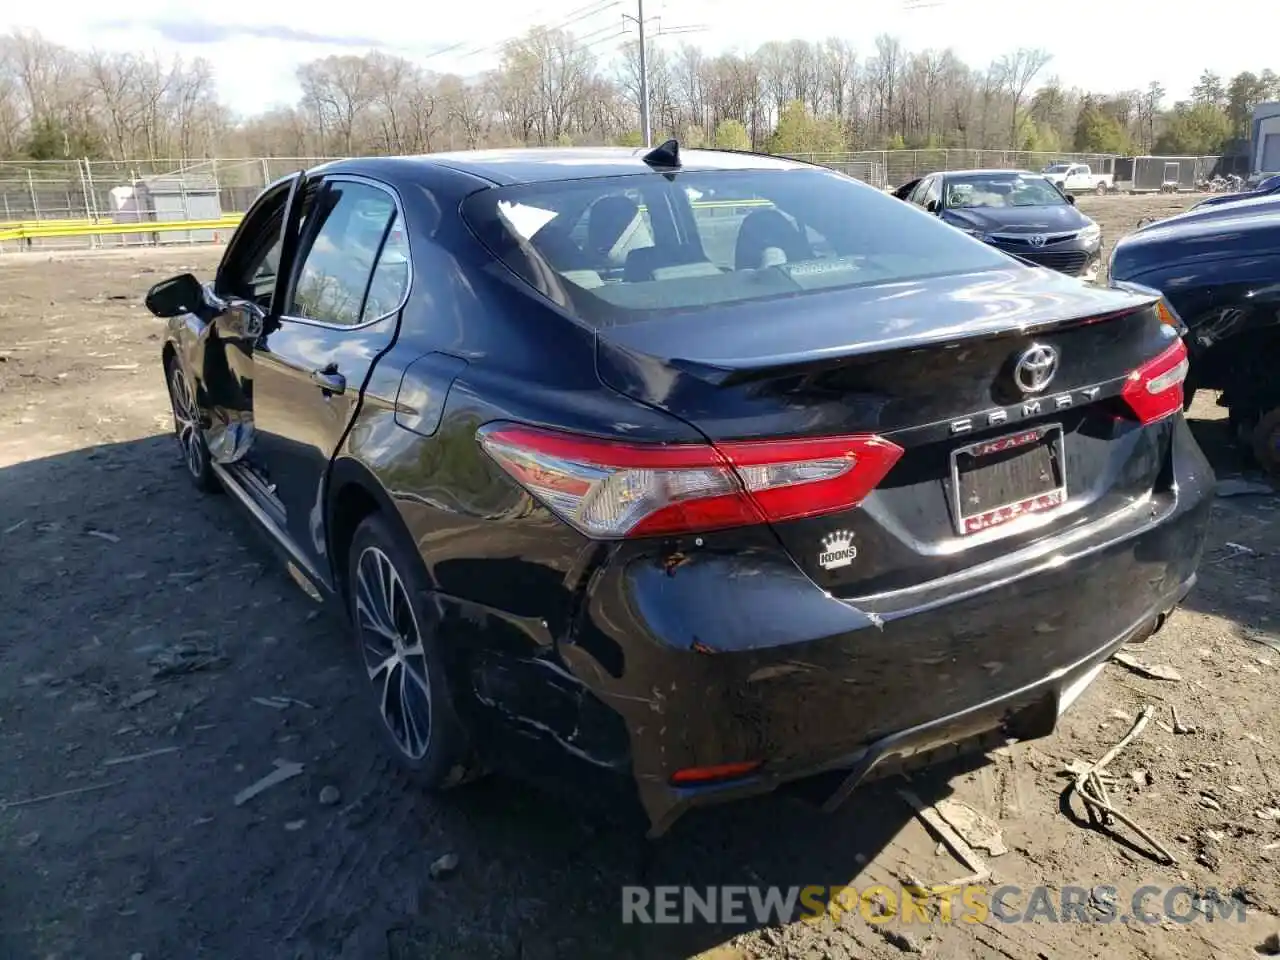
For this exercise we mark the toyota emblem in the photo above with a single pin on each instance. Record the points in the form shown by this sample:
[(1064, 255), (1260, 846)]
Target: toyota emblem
[(1035, 368), (1038, 240)]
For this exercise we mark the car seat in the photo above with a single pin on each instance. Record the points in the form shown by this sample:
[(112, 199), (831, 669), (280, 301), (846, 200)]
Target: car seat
[(765, 233), (607, 221)]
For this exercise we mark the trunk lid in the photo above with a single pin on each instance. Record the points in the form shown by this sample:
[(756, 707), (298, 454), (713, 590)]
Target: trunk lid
[(929, 365)]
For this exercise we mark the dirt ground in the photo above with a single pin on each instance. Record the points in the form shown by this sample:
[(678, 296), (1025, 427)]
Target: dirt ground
[(146, 635)]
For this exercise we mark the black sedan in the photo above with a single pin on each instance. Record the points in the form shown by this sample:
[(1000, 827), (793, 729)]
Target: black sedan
[(1019, 212), (685, 473)]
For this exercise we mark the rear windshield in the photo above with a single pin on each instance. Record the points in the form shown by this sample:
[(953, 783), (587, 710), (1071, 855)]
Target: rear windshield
[(619, 249)]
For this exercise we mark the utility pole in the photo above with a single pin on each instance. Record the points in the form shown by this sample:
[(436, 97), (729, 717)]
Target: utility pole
[(644, 79), (646, 127)]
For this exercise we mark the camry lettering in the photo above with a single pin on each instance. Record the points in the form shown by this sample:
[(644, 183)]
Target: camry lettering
[(1030, 408)]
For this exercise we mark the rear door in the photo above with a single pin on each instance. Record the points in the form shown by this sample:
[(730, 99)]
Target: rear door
[(348, 283)]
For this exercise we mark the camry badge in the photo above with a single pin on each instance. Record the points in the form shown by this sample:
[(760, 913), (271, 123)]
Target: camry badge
[(1035, 368)]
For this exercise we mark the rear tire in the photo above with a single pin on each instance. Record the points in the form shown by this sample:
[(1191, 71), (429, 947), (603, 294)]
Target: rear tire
[(395, 633), (188, 429), (1100, 189)]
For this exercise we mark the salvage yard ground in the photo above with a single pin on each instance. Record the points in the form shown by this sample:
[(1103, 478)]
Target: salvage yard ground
[(155, 661)]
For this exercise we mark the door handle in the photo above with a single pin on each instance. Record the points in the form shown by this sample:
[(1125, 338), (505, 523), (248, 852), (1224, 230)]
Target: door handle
[(329, 380)]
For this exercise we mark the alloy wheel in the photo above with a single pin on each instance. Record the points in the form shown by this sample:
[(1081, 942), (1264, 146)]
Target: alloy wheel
[(186, 425), (392, 651)]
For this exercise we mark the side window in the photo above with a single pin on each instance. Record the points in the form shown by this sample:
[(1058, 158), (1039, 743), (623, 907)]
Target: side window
[(916, 196), (349, 222), (932, 192)]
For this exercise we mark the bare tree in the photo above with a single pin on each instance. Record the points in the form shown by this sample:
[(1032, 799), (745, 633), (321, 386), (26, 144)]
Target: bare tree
[(1018, 70)]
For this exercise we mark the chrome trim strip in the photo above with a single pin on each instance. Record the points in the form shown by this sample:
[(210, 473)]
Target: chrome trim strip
[(1026, 237)]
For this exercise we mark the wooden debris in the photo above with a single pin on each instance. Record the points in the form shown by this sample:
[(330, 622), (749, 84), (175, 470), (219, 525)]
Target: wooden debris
[(1154, 671), (933, 820), (159, 752), (30, 801), (285, 770)]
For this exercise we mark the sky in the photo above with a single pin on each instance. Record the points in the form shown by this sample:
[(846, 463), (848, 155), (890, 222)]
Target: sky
[(256, 47)]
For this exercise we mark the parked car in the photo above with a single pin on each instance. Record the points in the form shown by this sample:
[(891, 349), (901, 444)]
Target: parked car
[(1243, 207), (1267, 187), (688, 472), (1220, 273), (1078, 178), (1018, 212)]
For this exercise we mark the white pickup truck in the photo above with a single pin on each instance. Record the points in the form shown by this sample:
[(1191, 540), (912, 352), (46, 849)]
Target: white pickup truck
[(1078, 178)]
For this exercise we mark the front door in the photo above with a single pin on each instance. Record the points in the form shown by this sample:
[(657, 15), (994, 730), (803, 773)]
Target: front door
[(349, 281)]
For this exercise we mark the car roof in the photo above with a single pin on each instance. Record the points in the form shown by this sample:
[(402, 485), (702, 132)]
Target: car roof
[(545, 164)]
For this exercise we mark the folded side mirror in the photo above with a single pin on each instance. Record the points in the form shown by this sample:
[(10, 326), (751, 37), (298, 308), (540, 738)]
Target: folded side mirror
[(932, 206), (175, 296), (1071, 199)]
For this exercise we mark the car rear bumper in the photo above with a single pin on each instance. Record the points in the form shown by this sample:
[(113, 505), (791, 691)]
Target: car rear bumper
[(727, 659)]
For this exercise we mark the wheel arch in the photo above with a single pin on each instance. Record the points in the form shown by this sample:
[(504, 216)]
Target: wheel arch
[(355, 493)]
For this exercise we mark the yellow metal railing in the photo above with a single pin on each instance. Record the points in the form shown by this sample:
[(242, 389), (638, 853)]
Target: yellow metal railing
[(58, 229)]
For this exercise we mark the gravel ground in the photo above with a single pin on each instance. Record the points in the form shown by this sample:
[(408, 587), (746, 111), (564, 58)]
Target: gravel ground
[(147, 635)]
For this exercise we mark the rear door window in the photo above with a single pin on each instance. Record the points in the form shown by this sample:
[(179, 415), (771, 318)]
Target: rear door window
[(347, 275)]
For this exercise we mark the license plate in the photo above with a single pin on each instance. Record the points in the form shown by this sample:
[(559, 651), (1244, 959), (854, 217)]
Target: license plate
[(996, 481)]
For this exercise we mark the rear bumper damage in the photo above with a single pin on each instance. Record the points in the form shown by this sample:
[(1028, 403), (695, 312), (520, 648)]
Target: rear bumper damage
[(738, 659)]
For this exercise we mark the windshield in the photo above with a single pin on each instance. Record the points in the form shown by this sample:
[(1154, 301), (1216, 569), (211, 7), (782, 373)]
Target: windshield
[(1000, 190), (619, 249)]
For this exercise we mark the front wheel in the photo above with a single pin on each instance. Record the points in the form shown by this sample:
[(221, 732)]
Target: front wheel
[(188, 429), (396, 636), (1100, 189)]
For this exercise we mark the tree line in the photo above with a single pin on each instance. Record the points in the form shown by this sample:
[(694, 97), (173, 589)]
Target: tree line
[(551, 87)]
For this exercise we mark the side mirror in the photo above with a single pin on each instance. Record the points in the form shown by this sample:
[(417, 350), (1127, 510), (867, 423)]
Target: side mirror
[(1071, 199), (932, 206), (175, 296)]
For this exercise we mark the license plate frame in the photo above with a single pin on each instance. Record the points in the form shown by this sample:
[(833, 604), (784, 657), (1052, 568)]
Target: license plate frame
[(1053, 497)]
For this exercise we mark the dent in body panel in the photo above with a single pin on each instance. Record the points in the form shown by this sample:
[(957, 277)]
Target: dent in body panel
[(218, 362)]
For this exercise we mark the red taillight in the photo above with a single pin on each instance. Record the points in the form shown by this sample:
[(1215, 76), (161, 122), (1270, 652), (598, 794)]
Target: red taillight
[(704, 775), (1154, 390), (609, 489)]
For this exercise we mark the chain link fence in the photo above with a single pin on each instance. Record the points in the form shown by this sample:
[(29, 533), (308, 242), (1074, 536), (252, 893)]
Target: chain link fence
[(102, 190), (893, 168)]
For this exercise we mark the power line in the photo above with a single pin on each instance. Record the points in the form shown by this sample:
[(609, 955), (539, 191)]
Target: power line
[(578, 15)]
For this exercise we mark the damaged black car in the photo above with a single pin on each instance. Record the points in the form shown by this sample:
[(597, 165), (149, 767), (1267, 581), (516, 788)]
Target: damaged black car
[(1219, 268), (688, 474)]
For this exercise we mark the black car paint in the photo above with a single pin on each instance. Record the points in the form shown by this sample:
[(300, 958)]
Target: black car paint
[(1242, 207), (1073, 255), (637, 658), (1220, 270)]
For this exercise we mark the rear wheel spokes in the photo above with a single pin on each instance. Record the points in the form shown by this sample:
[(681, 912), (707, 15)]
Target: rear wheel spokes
[(393, 653)]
